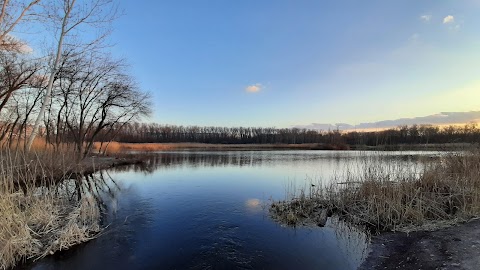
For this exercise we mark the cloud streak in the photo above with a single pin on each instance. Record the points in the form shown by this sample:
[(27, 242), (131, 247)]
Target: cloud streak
[(254, 88), (443, 118)]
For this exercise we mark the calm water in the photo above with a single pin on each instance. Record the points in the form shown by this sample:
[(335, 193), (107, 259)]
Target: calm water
[(208, 210)]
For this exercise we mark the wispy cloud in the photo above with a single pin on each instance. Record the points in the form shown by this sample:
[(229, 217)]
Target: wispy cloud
[(449, 19), (426, 17), (254, 88), (443, 118)]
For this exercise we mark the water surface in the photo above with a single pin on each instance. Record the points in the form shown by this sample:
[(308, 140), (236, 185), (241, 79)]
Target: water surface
[(209, 210)]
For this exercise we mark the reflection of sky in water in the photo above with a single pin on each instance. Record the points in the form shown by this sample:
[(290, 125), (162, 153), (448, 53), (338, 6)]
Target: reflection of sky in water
[(264, 173), (207, 210)]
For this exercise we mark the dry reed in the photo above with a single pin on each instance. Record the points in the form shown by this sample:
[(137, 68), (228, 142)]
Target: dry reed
[(443, 192), (38, 219), (118, 147)]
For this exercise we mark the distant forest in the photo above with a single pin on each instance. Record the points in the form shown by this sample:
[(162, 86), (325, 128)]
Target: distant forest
[(414, 134)]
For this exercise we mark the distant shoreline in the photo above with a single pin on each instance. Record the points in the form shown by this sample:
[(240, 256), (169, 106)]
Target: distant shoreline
[(117, 147)]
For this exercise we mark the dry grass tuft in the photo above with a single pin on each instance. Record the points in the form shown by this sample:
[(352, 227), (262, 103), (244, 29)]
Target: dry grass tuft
[(37, 220), (444, 192)]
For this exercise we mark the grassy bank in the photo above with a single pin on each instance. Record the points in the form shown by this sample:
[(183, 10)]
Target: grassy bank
[(443, 192), (116, 147), (38, 219)]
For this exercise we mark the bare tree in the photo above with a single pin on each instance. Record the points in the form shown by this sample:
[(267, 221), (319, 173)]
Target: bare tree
[(67, 17), (11, 14), (16, 72), (17, 113), (122, 103), (93, 94)]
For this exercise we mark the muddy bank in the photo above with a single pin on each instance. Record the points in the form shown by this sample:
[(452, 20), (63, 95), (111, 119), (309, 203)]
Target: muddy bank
[(457, 247)]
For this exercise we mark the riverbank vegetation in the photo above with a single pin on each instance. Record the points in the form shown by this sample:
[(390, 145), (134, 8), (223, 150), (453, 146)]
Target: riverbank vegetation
[(57, 94), (441, 192), (117, 148), (39, 215)]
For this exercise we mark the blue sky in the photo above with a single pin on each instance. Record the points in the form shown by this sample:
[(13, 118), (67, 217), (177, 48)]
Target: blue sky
[(285, 63)]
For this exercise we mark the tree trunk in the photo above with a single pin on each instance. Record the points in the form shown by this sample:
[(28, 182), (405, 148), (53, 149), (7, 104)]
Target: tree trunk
[(53, 73)]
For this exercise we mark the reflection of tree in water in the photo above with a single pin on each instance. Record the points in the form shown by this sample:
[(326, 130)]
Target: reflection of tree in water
[(102, 187), (123, 213), (207, 159), (184, 159), (352, 240), (194, 160), (99, 187)]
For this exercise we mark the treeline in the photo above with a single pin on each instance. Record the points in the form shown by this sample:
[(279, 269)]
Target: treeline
[(141, 132), (73, 92), (415, 134)]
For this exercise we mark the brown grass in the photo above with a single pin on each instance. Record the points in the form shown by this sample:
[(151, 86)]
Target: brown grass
[(39, 145), (38, 220), (116, 147), (442, 193)]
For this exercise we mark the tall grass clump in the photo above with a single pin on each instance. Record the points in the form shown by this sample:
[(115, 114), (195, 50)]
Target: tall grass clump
[(385, 197), (40, 215)]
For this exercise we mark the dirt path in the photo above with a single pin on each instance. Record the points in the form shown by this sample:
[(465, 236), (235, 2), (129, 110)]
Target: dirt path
[(451, 248)]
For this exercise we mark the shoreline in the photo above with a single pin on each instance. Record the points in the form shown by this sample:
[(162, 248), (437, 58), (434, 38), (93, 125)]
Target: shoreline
[(51, 210), (455, 247), (427, 220), (116, 147), (94, 164), (119, 148)]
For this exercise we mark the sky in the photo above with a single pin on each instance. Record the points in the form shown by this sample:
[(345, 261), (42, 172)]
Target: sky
[(284, 63)]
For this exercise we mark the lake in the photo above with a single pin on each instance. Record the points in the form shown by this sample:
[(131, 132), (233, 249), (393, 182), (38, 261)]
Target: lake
[(209, 210)]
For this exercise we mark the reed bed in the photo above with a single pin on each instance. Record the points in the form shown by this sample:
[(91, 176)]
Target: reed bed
[(119, 147), (441, 192), (38, 219)]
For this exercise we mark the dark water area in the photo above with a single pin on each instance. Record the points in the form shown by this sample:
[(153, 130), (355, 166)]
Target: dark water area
[(209, 210)]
